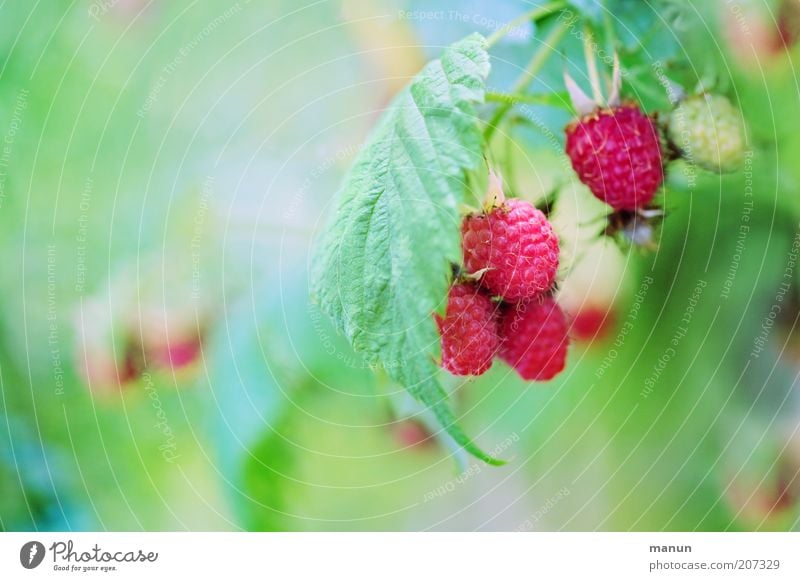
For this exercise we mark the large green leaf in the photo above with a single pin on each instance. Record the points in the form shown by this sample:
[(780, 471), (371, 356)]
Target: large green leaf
[(386, 257)]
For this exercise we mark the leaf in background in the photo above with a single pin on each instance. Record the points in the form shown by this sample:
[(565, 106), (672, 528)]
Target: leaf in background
[(386, 257), (591, 9), (247, 401)]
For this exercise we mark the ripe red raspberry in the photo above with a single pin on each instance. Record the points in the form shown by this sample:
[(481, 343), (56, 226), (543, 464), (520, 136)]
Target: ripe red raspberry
[(469, 331), (617, 153), (517, 247), (534, 338)]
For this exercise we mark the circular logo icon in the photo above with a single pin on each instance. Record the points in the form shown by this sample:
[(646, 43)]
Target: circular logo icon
[(31, 554)]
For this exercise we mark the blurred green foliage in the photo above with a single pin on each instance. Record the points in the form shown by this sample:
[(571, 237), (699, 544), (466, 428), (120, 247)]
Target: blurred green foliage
[(116, 118)]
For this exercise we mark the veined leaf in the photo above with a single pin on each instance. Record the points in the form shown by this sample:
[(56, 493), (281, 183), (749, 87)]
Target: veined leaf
[(385, 260)]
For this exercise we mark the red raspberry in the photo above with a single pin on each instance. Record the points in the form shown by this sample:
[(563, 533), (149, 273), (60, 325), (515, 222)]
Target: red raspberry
[(534, 338), (617, 153), (516, 245), (469, 331), (177, 355), (592, 323), (412, 433)]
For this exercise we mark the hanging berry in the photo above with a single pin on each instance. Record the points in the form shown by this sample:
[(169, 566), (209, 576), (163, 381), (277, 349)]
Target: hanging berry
[(614, 148)]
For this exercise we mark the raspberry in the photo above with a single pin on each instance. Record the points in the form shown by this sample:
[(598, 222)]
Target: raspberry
[(617, 153), (709, 132), (517, 247), (770, 33), (171, 335), (589, 293), (591, 323), (534, 338), (412, 433), (108, 358), (469, 331), (788, 25), (177, 355)]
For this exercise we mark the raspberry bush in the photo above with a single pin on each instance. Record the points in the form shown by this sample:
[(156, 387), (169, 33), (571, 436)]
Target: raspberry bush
[(171, 193), (425, 224)]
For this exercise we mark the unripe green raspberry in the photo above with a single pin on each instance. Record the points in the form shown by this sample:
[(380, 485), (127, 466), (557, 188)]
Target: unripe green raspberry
[(709, 132)]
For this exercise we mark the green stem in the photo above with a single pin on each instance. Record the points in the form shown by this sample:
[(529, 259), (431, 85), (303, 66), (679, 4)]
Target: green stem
[(591, 64), (531, 70), (531, 16), (509, 166), (560, 100), (611, 36)]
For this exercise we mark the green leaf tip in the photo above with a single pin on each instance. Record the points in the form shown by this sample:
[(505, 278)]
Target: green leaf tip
[(447, 419), (383, 265)]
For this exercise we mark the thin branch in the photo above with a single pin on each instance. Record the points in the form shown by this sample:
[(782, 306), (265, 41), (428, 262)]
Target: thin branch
[(531, 70), (531, 16)]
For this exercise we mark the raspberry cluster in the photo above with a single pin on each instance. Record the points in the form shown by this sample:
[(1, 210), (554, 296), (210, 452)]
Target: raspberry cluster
[(504, 308)]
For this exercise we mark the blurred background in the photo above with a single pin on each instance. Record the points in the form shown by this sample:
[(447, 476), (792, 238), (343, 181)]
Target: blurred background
[(165, 170)]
